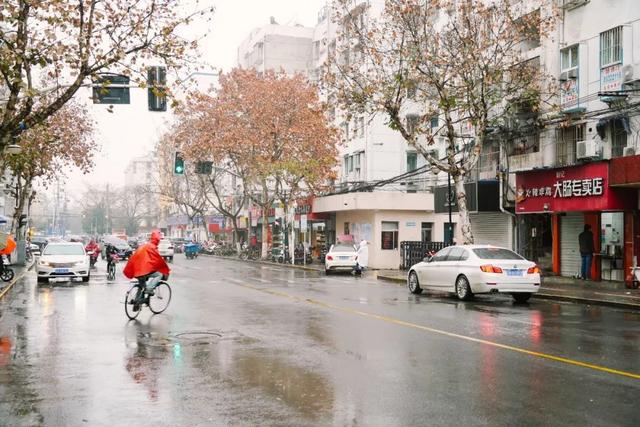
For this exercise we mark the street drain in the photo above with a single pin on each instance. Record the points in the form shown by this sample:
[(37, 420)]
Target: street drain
[(198, 337)]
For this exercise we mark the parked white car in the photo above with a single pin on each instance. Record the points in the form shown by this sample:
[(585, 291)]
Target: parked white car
[(341, 257), (476, 269), (165, 247), (63, 260)]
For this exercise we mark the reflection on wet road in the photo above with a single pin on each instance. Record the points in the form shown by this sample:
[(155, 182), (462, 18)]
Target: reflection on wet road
[(249, 344)]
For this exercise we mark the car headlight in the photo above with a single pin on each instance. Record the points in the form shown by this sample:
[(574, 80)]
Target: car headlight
[(45, 263)]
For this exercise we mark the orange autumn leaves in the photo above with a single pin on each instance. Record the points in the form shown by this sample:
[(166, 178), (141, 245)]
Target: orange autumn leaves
[(269, 127)]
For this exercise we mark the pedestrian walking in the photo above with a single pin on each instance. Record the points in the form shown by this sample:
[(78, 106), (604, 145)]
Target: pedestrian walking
[(585, 240), (363, 257)]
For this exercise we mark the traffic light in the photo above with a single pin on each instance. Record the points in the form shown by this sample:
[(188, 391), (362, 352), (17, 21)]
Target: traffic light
[(178, 164), (23, 220)]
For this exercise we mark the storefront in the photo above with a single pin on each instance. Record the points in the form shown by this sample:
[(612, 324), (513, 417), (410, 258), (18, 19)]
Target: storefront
[(562, 201)]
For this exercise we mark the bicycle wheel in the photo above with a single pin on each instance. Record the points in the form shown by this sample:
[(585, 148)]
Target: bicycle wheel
[(111, 272), (159, 301), (129, 307), (7, 274)]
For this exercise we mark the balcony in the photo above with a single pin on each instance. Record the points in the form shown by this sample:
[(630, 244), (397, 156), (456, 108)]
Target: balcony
[(523, 162)]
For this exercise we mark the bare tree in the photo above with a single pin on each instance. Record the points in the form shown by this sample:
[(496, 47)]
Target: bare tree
[(432, 67)]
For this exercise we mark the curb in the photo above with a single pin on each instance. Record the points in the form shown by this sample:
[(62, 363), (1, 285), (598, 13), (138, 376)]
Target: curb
[(299, 267), (580, 300), (19, 276)]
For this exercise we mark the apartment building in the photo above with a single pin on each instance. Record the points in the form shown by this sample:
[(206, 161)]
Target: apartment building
[(583, 169)]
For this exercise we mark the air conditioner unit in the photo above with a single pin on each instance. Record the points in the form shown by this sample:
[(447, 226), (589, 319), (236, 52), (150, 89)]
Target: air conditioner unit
[(588, 149), (572, 4), (569, 74), (629, 151), (631, 73)]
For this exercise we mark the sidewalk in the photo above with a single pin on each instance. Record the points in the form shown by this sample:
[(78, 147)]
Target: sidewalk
[(613, 294), (19, 272)]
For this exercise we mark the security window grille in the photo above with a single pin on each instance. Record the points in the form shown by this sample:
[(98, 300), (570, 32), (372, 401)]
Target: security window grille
[(611, 47), (618, 138), (389, 237), (566, 144), (111, 89), (569, 58), (412, 161), (156, 88), (412, 90)]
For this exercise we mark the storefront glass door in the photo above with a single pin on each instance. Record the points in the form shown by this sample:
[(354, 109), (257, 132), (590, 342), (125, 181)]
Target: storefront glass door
[(611, 245)]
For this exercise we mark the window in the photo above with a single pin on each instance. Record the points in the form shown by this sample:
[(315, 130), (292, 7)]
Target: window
[(346, 228), (611, 47), (426, 229), (356, 161), (111, 89), (156, 91), (496, 253), (412, 89), (434, 122), (618, 138), (569, 58), (455, 254), (350, 163), (442, 254), (412, 124), (566, 144), (412, 161), (389, 235)]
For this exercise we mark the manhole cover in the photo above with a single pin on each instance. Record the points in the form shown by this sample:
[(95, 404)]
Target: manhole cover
[(198, 337)]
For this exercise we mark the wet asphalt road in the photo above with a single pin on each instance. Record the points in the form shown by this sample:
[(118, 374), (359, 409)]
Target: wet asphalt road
[(250, 344)]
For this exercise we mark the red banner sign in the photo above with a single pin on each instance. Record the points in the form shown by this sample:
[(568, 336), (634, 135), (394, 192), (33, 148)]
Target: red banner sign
[(576, 188)]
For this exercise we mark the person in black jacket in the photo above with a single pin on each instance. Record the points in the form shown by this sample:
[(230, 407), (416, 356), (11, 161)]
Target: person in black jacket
[(585, 239)]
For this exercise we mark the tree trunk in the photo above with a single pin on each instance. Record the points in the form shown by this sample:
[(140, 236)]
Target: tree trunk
[(463, 210), (265, 230), (236, 240), (291, 247)]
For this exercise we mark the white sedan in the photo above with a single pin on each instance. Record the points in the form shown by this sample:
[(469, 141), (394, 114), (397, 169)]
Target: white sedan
[(341, 256), (165, 247), (476, 269), (67, 260)]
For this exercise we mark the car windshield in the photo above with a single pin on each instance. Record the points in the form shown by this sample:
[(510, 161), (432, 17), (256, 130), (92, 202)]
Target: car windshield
[(496, 253), (343, 248), (165, 243), (64, 250)]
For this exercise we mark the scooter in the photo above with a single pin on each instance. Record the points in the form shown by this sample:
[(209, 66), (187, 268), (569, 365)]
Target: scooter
[(93, 258)]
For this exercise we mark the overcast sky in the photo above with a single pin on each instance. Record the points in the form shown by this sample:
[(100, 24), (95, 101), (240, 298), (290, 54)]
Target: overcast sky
[(124, 134)]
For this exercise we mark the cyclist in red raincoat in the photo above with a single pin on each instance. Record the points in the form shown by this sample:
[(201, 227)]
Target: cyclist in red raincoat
[(147, 265)]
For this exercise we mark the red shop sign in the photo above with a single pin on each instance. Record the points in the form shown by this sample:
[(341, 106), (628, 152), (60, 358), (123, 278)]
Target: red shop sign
[(576, 188)]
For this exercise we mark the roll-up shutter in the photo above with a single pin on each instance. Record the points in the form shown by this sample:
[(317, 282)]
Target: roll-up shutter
[(492, 228), (571, 226)]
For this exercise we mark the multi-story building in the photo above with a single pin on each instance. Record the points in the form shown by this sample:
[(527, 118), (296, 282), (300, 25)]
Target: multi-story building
[(584, 168), (140, 176)]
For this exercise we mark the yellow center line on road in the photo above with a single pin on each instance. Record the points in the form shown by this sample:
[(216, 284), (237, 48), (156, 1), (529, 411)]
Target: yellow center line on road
[(446, 333)]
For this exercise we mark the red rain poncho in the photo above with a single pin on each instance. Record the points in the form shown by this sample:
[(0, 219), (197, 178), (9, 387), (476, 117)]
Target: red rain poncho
[(11, 245), (146, 260)]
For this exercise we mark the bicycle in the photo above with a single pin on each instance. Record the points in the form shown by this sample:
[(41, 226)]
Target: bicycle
[(157, 301), (111, 267)]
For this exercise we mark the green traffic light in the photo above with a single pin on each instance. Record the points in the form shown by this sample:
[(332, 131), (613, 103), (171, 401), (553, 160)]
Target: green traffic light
[(179, 169)]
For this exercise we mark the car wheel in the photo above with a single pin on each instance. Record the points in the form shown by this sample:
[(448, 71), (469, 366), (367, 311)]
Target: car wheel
[(43, 280), (413, 284), (327, 271), (86, 278), (521, 297), (463, 290)]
